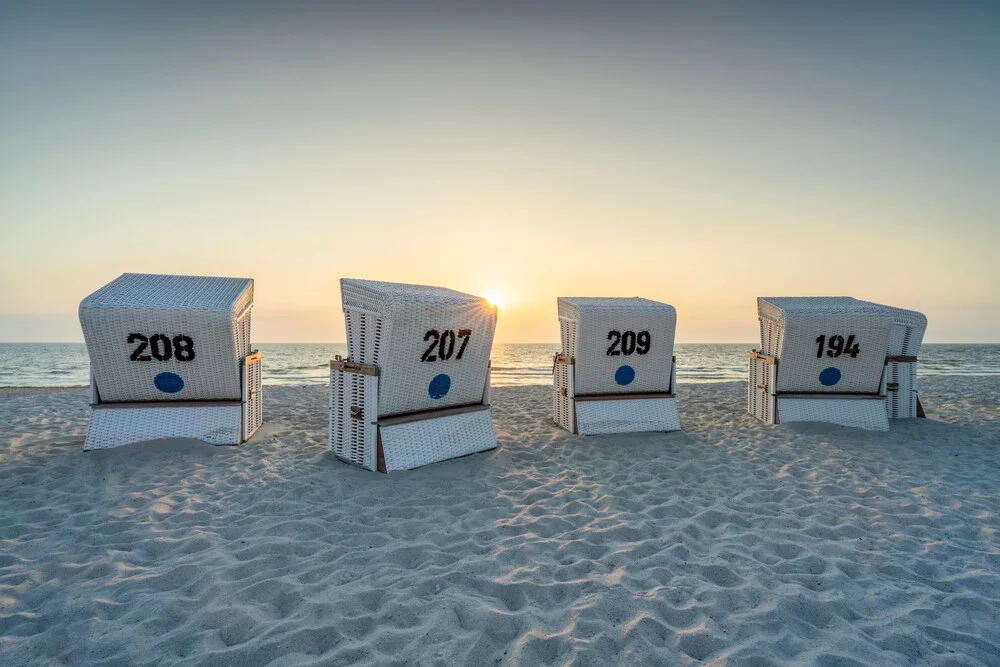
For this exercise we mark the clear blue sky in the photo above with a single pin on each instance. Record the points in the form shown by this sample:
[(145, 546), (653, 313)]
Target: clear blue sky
[(700, 156)]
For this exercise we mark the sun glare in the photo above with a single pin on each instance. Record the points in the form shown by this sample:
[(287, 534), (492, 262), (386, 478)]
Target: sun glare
[(495, 299)]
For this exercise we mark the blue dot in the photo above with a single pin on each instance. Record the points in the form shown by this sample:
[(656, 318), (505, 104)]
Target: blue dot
[(829, 376), (624, 375), (169, 383), (439, 386)]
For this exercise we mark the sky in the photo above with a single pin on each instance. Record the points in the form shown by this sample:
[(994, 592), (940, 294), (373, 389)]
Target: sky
[(700, 154)]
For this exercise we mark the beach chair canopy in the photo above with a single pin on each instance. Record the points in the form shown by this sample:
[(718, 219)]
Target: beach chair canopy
[(431, 344), (826, 344), (619, 345), (168, 338)]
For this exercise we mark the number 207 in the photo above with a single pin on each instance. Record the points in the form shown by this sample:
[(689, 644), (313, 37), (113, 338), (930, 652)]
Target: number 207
[(444, 343)]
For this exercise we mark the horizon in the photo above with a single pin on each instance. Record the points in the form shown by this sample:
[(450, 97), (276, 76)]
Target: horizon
[(696, 155), (495, 342)]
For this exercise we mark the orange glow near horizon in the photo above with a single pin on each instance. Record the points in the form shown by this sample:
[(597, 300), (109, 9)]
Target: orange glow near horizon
[(676, 158)]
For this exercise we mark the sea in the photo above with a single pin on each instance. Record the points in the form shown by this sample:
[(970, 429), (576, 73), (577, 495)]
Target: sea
[(66, 364)]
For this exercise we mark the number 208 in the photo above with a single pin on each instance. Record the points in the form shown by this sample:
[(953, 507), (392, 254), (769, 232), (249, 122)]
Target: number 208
[(161, 347)]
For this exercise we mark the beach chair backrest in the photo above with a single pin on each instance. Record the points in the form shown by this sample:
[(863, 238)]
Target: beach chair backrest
[(168, 338), (431, 344), (825, 344), (619, 345)]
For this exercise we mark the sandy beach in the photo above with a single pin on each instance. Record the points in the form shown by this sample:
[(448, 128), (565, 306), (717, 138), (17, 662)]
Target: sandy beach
[(730, 543)]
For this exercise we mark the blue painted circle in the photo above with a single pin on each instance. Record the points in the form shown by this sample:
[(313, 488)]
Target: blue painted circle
[(439, 386), (829, 376), (624, 375), (169, 383)]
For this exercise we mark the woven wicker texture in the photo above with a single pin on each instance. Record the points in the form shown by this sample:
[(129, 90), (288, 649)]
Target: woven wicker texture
[(760, 400), (212, 313), (114, 427), (791, 327), (901, 403), (354, 438), (562, 396), (253, 398), (908, 328), (587, 323), (390, 325), (627, 416), (419, 443), (866, 413)]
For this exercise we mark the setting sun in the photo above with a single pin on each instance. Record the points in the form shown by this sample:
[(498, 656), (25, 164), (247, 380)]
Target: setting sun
[(495, 299)]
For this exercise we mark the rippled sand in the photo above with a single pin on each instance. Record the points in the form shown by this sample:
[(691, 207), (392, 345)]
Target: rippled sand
[(732, 542)]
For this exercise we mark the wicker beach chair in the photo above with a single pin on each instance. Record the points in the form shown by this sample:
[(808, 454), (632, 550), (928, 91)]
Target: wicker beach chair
[(170, 357), (821, 359), (415, 388), (616, 371)]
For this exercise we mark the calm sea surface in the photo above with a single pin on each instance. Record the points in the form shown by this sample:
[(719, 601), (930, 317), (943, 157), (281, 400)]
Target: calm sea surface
[(66, 364)]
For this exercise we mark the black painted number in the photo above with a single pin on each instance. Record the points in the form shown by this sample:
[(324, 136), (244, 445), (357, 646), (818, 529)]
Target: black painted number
[(837, 346), (183, 348), (443, 343), (616, 338), (628, 342), (161, 347), (137, 353), (643, 342)]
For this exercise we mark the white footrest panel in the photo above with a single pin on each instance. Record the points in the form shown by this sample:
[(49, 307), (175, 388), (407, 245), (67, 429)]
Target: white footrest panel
[(417, 443), (113, 427), (867, 413), (353, 414), (562, 394), (627, 416)]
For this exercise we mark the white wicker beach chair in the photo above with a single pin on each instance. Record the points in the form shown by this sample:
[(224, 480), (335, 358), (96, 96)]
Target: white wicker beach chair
[(415, 388), (616, 372), (170, 357), (821, 359)]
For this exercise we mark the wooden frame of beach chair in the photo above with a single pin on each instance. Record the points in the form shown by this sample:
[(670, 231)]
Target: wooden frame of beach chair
[(415, 388), (171, 357), (616, 372), (822, 359)]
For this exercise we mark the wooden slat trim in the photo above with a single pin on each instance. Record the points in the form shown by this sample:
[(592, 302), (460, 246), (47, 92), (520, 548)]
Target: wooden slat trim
[(396, 420), (819, 394), (351, 367), (170, 404), (900, 360), (562, 359), (623, 397), (256, 355), (379, 453), (760, 355)]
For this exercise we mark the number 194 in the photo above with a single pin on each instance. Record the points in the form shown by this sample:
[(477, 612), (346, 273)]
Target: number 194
[(836, 347)]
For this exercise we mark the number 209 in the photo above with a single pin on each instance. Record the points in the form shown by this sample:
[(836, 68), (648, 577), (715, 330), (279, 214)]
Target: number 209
[(627, 342)]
